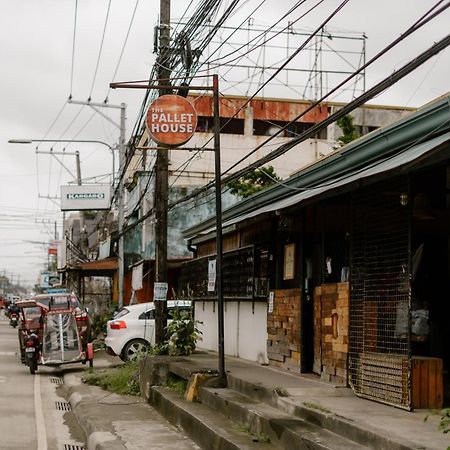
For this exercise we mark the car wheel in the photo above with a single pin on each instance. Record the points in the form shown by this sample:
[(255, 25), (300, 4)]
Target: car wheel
[(133, 348)]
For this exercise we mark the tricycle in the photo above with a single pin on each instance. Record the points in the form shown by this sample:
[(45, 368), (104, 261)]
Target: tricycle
[(49, 334)]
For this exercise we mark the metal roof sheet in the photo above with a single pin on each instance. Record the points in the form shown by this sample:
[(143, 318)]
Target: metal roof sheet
[(405, 157)]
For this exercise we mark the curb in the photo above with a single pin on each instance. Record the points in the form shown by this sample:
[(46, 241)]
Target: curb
[(84, 402)]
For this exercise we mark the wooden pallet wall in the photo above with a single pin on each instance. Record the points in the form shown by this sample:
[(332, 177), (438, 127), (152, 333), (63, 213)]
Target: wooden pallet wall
[(331, 329)]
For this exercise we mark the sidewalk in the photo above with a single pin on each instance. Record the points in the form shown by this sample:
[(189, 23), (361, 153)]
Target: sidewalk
[(115, 422), (118, 422), (336, 408)]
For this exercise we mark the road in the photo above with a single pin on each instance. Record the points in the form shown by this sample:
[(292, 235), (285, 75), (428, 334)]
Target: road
[(33, 415)]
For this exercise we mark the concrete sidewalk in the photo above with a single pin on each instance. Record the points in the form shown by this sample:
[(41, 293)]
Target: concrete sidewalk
[(116, 422), (336, 408)]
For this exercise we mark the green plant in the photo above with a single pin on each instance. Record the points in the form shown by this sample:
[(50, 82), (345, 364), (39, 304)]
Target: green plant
[(253, 182), (348, 129), (99, 322), (120, 380), (258, 437), (158, 349), (316, 406), (444, 421), (183, 333), (177, 384)]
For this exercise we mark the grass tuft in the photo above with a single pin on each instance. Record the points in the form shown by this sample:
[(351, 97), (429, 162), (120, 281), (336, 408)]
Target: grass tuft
[(120, 380)]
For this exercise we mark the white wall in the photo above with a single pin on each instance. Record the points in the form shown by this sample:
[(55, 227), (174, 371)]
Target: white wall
[(235, 146), (245, 328)]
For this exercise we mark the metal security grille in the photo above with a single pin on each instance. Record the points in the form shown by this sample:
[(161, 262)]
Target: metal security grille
[(238, 267), (379, 350)]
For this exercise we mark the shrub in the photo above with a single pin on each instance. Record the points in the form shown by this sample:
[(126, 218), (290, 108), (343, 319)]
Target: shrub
[(183, 333)]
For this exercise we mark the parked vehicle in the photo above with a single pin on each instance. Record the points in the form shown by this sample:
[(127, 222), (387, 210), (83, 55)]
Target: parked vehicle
[(49, 334), (80, 313), (133, 328)]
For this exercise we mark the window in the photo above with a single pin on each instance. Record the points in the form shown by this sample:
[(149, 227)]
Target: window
[(148, 315)]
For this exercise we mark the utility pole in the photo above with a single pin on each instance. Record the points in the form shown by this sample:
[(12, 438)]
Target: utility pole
[(161, 181), (120, 206)]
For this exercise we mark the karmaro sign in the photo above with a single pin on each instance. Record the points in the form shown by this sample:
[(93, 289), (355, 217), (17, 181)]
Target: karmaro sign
[(171, 120)]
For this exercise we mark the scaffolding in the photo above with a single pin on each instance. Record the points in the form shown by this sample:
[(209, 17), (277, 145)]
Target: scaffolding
[(246, 57)]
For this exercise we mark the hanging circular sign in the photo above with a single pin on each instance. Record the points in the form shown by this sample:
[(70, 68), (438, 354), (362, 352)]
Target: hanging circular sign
[(171, 120)]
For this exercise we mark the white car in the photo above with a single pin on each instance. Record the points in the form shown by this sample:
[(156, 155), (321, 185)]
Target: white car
[(133, 328)]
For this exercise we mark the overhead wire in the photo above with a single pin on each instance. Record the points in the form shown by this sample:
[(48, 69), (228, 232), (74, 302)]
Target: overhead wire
[(205, 10), (290, 58), (100, 50), (73, 47), (425, 18), (264, 34), (123, 46)]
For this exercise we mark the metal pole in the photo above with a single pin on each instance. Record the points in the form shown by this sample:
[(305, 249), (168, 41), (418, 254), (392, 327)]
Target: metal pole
[(162, 183), (121, 256), (222, 374), (77, 158)]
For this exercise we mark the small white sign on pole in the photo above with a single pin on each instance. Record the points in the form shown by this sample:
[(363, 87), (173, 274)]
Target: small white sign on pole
[(212, 275), (270, 305), (160, 291)]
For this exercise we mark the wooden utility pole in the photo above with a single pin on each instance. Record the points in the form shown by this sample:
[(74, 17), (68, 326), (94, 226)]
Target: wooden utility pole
[(162, 182)]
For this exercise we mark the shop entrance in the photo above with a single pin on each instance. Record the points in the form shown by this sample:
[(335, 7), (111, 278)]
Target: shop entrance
[(430, 296)]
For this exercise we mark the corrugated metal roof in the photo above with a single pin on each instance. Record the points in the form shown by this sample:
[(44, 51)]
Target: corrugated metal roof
[(404, 158), (428, 121)]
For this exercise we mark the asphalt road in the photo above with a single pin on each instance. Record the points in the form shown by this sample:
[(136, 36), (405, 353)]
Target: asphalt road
[(33, 414)]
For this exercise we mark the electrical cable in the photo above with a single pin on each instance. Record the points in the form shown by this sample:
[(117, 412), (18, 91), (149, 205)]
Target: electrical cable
[(309, 38), (73, 47), (409, 31), (419, 23), (206, 9), (100, 50), (384, 84), (123, 46), (264, 34)]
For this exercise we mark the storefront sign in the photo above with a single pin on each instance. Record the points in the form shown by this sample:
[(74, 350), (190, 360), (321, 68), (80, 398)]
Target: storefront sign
[(171, 120), (49, 279), (85, 197)]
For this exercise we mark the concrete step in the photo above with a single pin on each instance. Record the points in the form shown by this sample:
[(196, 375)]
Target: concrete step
[(284, 431), (211, 431), (335, 423)]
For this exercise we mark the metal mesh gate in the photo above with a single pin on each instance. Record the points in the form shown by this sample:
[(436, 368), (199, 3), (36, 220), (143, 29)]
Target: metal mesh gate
[(379, 350)]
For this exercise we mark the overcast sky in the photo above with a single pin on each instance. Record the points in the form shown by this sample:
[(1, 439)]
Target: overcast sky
[(37, 78)]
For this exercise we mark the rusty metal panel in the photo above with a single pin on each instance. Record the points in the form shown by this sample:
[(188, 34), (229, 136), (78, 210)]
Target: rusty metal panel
[(263, 109)]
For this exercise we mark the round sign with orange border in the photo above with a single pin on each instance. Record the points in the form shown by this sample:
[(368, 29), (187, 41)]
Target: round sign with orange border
[(171, 120)]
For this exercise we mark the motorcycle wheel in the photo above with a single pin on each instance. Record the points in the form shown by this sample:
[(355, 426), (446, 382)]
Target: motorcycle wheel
[(33, 367)]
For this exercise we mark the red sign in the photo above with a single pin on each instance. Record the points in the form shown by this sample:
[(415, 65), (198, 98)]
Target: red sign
[(171, 120)]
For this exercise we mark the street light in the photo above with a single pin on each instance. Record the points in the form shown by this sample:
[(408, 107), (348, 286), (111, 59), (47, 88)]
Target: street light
[(120, 198), (82, 141)]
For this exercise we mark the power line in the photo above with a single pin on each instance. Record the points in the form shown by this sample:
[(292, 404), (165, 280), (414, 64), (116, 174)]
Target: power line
[(73, 47), (378, 88), (123, 46), (100, 50)]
